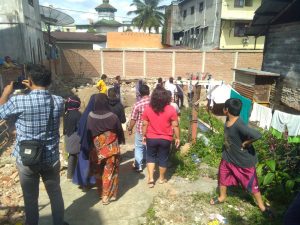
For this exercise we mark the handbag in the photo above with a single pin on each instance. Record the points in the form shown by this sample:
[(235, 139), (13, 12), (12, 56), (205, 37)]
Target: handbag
[(31, 150), (73, 143)]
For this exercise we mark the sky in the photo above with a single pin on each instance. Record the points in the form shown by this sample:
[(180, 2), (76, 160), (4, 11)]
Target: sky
[(88, 8)]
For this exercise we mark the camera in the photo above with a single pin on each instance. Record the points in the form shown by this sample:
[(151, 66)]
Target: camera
[(18, 85)]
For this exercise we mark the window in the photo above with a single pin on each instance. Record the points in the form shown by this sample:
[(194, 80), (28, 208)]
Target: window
[(240, 29), (242, 3), (239, 3), (248, 2), (201, 7), (184, 14), (192, 10), (30, 2)]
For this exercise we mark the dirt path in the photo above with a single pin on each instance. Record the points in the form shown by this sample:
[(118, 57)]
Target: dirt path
[(135, 198), (133, 201)]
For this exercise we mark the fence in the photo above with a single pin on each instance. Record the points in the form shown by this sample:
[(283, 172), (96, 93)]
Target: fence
[(156, 63)]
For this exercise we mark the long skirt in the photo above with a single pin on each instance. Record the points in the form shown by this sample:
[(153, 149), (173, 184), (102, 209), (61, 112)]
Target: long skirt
[(106, 174)]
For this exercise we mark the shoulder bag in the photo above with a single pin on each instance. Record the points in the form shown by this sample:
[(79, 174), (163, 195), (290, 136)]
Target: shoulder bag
[(31, 150)]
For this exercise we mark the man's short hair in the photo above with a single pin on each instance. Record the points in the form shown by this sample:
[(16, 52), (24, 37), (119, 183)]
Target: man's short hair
[(178, 78), (39, 75), (144, 90), (159, 80), (234, 106), (171, 80), (103, 77), (118, 78)]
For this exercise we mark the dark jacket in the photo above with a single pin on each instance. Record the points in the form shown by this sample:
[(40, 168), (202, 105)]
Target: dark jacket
[(117, 108)]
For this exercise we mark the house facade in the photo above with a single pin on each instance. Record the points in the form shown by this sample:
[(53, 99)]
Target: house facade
[(212, 24), (279, 22), (20, 31)]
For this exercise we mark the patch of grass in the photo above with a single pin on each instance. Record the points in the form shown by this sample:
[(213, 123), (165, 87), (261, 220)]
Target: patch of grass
[(239, 209), (209, 154), (150, 216)]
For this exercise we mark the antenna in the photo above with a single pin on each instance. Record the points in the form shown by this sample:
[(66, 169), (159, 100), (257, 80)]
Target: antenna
[(51, 16)]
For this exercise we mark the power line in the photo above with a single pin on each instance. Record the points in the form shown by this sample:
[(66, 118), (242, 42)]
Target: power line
[(86, 12)]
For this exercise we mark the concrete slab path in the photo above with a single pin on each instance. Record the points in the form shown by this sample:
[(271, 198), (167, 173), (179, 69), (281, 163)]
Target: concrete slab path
[(84, 208)]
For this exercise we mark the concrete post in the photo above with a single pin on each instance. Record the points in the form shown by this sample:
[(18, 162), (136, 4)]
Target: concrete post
[(173, 64), (124, 63), (203, 61), (102, 62), (236, 57), (145, 66)]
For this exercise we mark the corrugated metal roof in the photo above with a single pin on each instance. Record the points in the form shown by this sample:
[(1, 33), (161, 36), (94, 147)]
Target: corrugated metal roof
[(265, 14), (255, 72)]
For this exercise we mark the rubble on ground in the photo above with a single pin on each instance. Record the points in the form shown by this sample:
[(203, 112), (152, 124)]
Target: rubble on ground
[(11, 198)]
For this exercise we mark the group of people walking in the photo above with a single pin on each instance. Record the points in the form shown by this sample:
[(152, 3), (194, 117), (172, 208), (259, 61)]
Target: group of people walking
[(99, 132), (93, 139)]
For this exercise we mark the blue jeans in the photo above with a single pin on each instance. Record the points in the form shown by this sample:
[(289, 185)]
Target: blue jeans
[(30, 179), (139, 151)]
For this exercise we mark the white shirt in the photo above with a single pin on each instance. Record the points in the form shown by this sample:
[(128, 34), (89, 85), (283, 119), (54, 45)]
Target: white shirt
[(171, 87)]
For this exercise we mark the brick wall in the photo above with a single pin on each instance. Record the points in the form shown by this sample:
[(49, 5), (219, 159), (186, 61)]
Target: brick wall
[(248, 59), (219, 64), (80, 63), (113, 63), (158, 63), (134, 64), (186, 62)]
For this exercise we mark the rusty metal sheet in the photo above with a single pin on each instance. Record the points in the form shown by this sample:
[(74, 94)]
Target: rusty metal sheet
[(246, 91)]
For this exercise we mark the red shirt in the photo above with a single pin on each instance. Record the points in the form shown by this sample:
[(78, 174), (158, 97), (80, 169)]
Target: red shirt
[(160, 126)]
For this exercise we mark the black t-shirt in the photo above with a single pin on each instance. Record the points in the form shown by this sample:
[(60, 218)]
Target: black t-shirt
[(234, 136)]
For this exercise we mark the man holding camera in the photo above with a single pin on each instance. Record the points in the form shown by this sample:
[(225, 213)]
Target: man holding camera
[(37, 116)]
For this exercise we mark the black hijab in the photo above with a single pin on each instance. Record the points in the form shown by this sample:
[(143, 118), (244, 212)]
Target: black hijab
[(101, 105), (101, 119), (72, 115)]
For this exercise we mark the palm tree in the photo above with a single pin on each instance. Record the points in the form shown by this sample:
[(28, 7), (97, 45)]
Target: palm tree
[(148, 13)]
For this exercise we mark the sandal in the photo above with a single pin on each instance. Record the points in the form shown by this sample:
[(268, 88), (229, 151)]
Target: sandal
[(151, 184), (268, 213), (105, 201), (215, 201), (162, 181), (113, 199)]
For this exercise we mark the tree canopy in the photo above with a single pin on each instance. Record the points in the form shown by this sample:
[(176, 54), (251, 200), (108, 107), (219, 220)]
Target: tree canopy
[(148, 14)]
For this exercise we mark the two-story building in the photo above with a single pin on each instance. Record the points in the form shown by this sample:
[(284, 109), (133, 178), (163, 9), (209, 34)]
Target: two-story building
[(212, 24)]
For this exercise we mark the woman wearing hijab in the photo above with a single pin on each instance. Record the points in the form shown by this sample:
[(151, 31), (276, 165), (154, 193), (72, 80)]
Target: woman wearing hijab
[(115, 105), (81, 175), (72, 140), (105, 133), (160, 121)]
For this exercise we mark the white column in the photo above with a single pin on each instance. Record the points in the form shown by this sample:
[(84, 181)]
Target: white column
[(102, 62), (173, 64), (145, 66), (236, 57), (124, 64), (203, 61)]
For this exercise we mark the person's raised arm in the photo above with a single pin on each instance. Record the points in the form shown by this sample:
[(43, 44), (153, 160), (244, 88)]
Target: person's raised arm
[(8, 90)]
